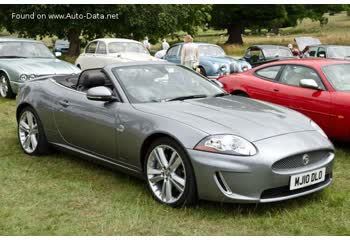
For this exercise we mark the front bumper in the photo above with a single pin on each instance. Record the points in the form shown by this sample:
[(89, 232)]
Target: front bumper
[(227, 178)]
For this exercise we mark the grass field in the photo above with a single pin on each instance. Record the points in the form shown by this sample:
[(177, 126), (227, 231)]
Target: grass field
[(62, 195)]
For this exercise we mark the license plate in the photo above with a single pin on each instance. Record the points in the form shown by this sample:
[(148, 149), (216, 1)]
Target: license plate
[(307, 179)]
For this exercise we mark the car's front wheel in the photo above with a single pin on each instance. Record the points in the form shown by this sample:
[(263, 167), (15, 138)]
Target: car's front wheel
[(31, 133), (5, 87), (169, 173)]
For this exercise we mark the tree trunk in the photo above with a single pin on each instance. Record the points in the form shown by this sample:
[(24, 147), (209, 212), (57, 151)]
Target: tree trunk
[(235, 35), (74, 43)]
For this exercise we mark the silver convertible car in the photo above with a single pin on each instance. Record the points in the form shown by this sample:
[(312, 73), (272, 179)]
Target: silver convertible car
[(179, 131)]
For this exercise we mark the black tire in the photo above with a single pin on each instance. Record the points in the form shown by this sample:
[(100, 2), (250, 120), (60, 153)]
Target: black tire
[(189, 195), (9, 93), (42, 143), (241, 94), (202, 71)]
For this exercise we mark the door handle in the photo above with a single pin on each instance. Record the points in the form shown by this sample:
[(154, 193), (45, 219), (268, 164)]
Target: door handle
[(276, 90), (64, 103)]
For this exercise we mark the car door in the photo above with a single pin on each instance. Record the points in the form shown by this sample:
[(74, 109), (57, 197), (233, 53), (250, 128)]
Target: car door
[(315, 104), (174, 54), (88, 125), (262, 86), (88, 59)]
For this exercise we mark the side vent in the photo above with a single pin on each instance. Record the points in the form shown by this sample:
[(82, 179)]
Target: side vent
[(222, 184)]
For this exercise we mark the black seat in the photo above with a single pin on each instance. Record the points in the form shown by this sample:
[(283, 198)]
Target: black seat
[(90, 79)]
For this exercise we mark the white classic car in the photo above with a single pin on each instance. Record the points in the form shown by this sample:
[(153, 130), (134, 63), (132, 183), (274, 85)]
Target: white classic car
[(103, 51)]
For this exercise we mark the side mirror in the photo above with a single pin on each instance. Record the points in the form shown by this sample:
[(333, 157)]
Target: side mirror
[(217, 83), (309, 83), (100, 94), (58, 54)]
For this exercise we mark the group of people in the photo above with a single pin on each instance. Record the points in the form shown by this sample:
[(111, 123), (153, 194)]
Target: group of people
[(189, 52), (305, 53)]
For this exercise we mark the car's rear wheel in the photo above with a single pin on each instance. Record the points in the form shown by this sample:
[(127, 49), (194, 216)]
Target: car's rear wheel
[(5, 87), (241, 94), (169, 173), (31, 133)]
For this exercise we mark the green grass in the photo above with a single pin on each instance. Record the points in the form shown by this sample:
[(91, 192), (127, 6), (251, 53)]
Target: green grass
[(63, 195)]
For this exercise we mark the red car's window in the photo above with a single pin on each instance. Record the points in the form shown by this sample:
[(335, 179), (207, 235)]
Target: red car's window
[(292, 74), (269, 72)]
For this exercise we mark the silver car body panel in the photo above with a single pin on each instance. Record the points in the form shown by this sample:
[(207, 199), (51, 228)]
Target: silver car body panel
[(113, 133)]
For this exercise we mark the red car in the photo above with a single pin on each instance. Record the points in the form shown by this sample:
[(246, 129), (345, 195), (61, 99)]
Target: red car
[(318, 88)]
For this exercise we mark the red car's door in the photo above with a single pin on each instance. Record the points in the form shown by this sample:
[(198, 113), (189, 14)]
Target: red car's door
[(315, 104), (261, 86)]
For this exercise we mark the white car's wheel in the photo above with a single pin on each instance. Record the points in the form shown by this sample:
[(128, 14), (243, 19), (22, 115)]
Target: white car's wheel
[(169, 173)]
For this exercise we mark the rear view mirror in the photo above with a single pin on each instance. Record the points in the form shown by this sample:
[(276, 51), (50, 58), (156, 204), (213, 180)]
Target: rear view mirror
[(309, 83)]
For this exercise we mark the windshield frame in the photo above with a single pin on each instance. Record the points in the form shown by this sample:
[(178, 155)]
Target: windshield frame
[(329, 81), (126, 94), (52, 56)]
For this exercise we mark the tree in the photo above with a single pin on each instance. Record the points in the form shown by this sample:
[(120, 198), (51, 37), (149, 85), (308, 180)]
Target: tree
[(236, 18), (136, 21)]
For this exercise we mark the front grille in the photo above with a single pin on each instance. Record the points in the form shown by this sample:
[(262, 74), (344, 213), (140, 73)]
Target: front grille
[(298, 161), (284, 191)]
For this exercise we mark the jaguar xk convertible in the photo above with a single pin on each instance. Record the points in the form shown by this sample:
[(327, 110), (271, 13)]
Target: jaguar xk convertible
[(179, 131)]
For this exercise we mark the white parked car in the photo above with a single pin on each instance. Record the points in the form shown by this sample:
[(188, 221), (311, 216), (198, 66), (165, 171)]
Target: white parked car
[(101, 52)]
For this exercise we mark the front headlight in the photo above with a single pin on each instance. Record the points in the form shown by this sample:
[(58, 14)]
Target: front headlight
[(227, 144), (318, 129), (31, 76), (23, 77)]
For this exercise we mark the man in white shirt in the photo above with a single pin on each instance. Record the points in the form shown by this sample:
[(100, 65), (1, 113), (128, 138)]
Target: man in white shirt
[(146, 44)]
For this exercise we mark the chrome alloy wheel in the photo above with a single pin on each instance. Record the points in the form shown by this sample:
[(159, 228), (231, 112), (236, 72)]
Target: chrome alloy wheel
[(166, 173), (3, 86), (28, 131)]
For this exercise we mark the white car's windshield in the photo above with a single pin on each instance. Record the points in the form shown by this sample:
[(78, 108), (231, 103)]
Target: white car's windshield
[(338, 52), (124, 47), (338, 75), (277, 52), (210, 51), (159, 83), (24, 50)]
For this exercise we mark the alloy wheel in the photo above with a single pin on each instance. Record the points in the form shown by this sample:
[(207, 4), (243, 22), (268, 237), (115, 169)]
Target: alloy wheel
[(28, 131), (166, 174), (3, 86)]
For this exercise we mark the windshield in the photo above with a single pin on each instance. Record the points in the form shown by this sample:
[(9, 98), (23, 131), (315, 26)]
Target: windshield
[(277, 52), (123, 47), (24, 50), (338, 52), (338, 75), (159, 83), (211, 51)]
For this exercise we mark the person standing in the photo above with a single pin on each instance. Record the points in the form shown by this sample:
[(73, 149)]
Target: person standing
[(165, 45), (189, 53), (146, 44)]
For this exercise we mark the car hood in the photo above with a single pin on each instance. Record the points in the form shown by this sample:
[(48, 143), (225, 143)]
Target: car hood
[(129, 57), (41, 66), (251, 119)]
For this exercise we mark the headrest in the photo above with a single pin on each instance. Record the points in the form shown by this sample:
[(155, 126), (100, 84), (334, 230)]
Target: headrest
[(92, 79)]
